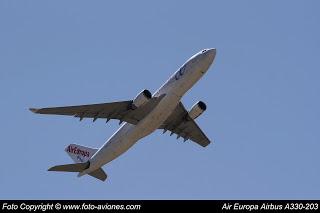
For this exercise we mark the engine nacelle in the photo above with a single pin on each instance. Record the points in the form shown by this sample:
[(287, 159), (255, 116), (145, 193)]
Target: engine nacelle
[(142, 98), (197, 109)]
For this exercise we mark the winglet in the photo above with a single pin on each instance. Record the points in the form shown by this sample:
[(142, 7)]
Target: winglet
[(34, 110)]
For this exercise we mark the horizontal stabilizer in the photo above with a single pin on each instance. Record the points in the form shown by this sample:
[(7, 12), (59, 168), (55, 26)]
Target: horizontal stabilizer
[(33, 110), (78, 167), (99, 174)]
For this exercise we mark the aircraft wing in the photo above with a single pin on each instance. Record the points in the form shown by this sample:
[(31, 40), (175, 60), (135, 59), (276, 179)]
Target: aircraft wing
[(122, 111), (182, 125)]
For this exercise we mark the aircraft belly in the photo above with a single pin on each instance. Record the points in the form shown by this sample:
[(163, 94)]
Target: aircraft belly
[(129, 134), (157, 116)]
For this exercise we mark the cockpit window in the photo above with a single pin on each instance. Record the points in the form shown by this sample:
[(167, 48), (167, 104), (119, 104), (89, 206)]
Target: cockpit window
[(203, 51)]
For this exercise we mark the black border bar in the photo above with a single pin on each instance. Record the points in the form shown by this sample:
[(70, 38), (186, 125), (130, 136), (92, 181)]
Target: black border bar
[(159, 205)]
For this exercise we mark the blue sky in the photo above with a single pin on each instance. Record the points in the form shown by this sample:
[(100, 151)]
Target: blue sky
[(262, 95)]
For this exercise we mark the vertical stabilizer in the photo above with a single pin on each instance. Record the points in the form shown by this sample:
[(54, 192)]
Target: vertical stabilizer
[(80, 154)]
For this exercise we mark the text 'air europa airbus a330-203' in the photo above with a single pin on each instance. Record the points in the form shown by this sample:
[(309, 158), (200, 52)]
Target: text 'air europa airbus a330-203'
[(142, 116)]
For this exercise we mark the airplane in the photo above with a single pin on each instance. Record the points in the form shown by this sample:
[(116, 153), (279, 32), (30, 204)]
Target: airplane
[(141, 116)]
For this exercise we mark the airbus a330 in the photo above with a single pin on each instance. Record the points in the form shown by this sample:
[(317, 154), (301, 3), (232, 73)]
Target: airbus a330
[(141, 116)]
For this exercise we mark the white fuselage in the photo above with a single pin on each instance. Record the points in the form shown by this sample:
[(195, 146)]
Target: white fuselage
[(178, 84)]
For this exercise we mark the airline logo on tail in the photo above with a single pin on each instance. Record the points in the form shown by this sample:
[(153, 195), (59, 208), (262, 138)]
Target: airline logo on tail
[(76, 150), (80, 154)]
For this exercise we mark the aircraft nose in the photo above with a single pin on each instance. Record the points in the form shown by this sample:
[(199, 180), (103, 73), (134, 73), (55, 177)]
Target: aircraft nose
[(211, 54)]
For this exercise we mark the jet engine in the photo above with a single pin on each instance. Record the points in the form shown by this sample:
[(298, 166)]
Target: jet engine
[(142, 98), (197, 109)]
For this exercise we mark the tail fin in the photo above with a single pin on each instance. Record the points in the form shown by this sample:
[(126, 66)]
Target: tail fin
[(78, 167), (80, 154)]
